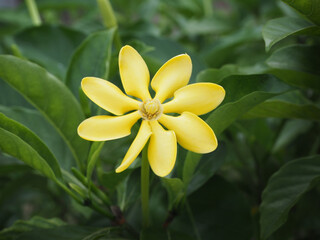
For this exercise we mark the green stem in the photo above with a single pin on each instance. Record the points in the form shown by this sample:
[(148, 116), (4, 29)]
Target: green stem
[(207, 7), (109, 19), (80, 201), (71, 193), (145, 188), (33, 11)]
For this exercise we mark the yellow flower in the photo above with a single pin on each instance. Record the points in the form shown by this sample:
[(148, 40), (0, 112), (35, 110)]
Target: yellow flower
[(171, 80)]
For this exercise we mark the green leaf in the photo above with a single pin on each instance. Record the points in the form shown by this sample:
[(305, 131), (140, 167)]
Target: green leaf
[(92, 58), (296, 65), (49, 46), (309, 8), (50, 96), (242, 94), (218, 210), (195, 175), (282, 109), (278, 29), (109, 233), (222, 50), (32, 119), (164, 49), (111, 179), (216, 75), (18, 141), (21, 226), (283, 191), (176, 191), (292, 130), (45, 229)]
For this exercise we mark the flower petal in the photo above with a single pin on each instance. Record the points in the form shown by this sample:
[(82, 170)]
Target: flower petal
[(134, 73), (136, 146), (103, 128), (198, 98), (173, 75), (192, 132), (108, 96), (162, 149)]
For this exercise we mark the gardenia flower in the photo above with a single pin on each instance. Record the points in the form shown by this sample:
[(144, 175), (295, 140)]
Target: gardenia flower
[(169, 83)]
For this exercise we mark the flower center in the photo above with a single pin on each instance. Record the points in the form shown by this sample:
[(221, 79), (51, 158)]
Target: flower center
[(150, 109)]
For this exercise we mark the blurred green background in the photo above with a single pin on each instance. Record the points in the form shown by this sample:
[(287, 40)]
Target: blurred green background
[(261, 182)]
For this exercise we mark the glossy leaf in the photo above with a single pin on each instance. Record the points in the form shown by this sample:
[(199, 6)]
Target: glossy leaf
[(50, 96), (309, 8), (92, 58), (19, 142), (282, 109), (32, 119), (296, 65), (283, 191), (278, 29), (49, 46), (243, 93)]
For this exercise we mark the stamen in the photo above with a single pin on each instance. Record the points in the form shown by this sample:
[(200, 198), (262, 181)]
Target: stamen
[(150, 109)]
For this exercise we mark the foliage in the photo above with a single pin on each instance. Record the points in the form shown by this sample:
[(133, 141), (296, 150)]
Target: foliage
[(262, 182)]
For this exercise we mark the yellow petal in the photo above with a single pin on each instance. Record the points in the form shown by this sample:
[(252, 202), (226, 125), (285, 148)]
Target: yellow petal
[(198, 98), (192, 132), (136, 146), (162, 149), (103, 128), (173, 75), (134, 73), (108, 96)]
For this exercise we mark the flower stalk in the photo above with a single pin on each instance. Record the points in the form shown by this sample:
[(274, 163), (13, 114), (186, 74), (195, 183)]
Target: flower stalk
[(33, 11), (109, 19), (145, 170)]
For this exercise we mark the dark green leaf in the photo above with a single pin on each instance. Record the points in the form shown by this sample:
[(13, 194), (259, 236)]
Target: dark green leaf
[(280, 28), (92, 58), (297, 65), (110, 233), (50, 96), (18, 141), (175, 189), (21, 226), (49, 46), (292, 129), (283, 191), (217, 211), (32, 119), (196, 174), (222, 50), (45, 229), (111, 179), (309, 8), (242, 94), (164, 49), (281, 109)]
